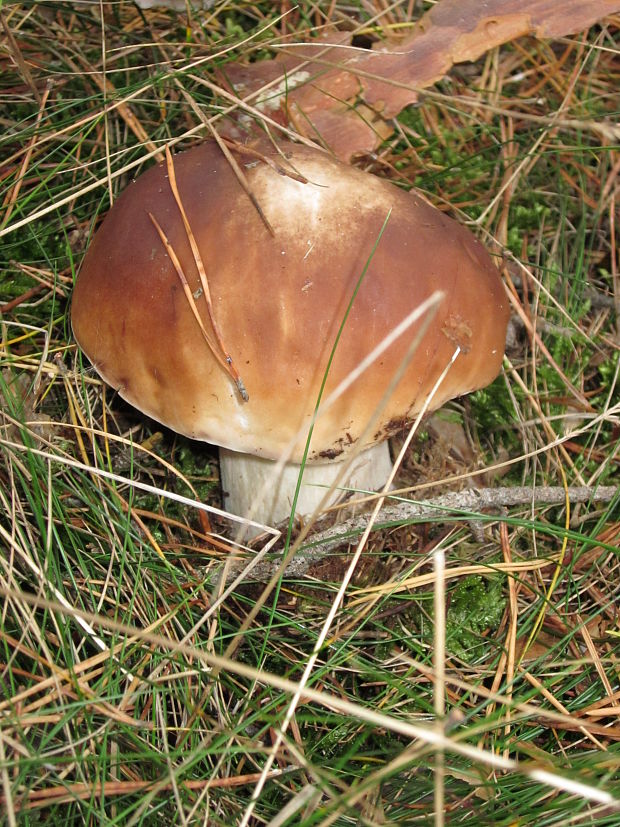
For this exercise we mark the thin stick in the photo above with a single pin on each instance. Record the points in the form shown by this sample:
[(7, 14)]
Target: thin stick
[(260, 156), (241, 178), (460, 504), (239, 174)]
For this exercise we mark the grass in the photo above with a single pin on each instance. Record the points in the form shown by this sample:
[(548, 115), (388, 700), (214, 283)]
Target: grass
[(130, 693)]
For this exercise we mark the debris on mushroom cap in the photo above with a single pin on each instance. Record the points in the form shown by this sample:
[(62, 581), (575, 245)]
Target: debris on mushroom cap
[(279, 299)]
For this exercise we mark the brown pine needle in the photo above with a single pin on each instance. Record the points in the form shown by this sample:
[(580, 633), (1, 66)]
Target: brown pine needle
[(223, 145), (50, 796), (260, 156), (188, 293), (239, 175), (225, 359)]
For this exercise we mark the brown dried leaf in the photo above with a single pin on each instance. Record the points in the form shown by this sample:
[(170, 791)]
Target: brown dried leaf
[(317, 88), (455, 31)]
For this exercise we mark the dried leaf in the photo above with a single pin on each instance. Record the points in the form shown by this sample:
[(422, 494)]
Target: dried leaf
[(317, 88)]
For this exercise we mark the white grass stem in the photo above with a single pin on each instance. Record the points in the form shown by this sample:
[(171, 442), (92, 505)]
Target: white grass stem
[(439, 663), (45, 584), (142, 486), (9, 809), (303, 798)]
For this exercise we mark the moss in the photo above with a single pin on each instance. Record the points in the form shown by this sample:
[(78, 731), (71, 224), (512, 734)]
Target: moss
[(476, 606), (474, 612), (40, 243)]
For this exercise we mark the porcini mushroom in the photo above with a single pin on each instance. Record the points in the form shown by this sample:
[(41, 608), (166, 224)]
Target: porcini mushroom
[(243, 370)]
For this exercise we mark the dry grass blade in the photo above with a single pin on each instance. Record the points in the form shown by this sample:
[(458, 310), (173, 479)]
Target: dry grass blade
[(18, 57), (540, 344), (339, 597), (12, 196), (251, 152), (239, 175), (439, 679), (123, 108), (54, 795), (426, 735)]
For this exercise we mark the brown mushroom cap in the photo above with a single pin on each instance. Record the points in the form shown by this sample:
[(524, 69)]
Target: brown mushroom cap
[(279, 300)]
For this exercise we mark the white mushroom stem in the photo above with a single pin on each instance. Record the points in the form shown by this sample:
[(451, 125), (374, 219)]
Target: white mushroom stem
[(244, 477)]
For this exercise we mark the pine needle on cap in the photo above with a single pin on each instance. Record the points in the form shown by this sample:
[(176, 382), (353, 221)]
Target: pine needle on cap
[(223, 359), (225, 355)]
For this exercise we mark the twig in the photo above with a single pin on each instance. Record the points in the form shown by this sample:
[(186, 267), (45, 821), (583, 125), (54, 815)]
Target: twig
[(459, 503), (241, 177), (50, 796), (33, 291)]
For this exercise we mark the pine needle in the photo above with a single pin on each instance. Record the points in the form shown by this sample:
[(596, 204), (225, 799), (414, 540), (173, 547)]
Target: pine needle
[(223, 357)]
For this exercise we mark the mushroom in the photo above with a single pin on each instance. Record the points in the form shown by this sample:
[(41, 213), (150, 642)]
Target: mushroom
[(218, 320)]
